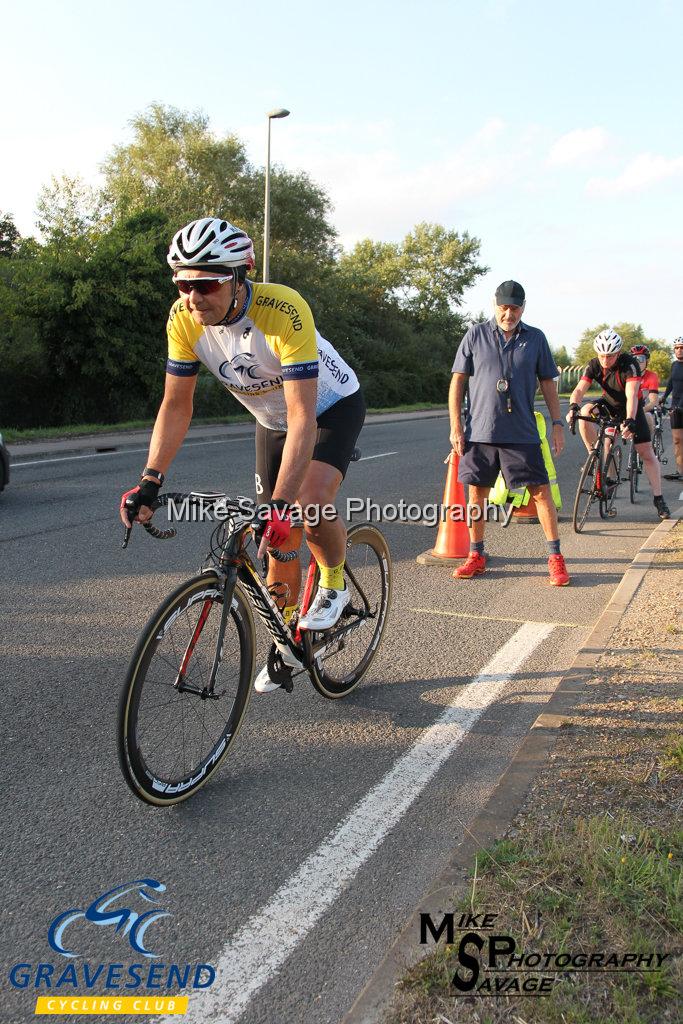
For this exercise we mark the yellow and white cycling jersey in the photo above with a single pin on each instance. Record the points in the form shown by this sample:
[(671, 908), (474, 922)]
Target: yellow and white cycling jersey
[(273, 341)]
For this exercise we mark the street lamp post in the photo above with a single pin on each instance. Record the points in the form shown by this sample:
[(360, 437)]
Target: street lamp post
[(279, 112)]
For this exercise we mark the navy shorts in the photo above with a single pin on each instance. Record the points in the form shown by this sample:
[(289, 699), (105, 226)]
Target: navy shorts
[(521, 464)]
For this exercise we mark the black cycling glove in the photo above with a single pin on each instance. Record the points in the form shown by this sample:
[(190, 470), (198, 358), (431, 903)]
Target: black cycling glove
[(144, 494)]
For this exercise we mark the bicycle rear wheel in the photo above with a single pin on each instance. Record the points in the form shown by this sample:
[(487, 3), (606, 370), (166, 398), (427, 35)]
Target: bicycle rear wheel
[(173, 735), (343, 654), (586, 492)]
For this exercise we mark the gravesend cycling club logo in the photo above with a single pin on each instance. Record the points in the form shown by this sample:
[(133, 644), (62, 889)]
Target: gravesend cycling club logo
[(244, 364), (125, 921), (129, 916), (491, 964)]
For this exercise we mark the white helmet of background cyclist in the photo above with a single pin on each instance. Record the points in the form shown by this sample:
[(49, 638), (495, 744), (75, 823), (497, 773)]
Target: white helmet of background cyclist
[(210, 243), (607, 343)]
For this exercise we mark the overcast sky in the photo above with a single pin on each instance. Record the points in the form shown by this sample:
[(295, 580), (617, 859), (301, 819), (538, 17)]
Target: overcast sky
[(551, 133)]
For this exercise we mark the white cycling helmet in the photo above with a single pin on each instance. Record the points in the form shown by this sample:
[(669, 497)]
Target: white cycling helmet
[(211, 243), (607, 343), (677, 342)]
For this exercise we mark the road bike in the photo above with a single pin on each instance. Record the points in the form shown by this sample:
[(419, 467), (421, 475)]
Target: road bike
[(190, 679), (601, 472)]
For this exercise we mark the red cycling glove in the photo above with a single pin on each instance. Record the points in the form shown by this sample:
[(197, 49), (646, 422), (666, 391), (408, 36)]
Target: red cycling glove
[(272, 522)]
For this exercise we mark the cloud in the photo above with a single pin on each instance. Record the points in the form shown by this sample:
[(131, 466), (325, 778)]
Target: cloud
[(381, 179), (641, 173), (575, 146)]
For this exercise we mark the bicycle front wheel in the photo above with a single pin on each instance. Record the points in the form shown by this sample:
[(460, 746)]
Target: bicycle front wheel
[(632, 472), (172, 732), (343, 654), (612, 471), (586, 492)]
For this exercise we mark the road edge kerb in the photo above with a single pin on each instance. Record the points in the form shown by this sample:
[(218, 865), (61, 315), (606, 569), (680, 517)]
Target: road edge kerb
[(495, 817)]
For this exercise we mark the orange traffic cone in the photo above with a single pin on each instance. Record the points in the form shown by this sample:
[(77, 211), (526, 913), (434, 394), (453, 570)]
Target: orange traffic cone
[(452, 540), (526, 513)]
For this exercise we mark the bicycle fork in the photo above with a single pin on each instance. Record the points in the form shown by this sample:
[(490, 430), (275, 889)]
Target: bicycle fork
[(209, 690)]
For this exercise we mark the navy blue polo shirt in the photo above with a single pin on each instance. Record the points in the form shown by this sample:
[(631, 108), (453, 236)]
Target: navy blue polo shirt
[(485, 357)]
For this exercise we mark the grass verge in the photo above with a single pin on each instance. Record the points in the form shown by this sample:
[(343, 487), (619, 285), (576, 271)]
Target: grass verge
[(12, 435)]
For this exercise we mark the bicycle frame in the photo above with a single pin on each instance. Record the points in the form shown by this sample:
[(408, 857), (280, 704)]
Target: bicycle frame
[(234, 564)]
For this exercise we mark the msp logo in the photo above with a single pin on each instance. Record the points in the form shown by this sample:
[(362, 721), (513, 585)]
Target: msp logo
[(125, 921)]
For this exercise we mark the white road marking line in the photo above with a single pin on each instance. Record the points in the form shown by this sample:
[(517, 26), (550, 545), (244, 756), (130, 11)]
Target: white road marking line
[(366, 458), (491, 618), (255, 953), (124, 451)]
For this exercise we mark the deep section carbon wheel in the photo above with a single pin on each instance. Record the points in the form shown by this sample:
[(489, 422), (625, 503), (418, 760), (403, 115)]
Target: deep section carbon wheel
[(173, 732)]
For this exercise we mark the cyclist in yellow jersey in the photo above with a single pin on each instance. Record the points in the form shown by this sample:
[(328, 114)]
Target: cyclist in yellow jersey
[(260, 342)]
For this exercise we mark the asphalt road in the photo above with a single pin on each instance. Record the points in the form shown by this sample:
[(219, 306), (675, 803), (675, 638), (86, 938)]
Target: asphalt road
[(262, 879)]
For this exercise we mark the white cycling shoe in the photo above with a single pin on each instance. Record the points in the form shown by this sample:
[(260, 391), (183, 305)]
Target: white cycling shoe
[(326, 609), (263, 683)]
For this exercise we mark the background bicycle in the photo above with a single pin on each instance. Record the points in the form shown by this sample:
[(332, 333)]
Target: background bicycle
[(190, 679)]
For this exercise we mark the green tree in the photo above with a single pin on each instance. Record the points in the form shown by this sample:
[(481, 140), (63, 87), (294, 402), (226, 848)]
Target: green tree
[(561, 356), (101, 301), (660, 363), (68, 209), (9, 236), (175, 164), (425, 275)]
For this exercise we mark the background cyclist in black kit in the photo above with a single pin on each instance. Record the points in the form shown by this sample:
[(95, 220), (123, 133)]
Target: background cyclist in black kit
[(618, 374)]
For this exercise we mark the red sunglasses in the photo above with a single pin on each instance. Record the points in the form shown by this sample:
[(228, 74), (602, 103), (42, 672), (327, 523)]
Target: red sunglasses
[(203, 285)]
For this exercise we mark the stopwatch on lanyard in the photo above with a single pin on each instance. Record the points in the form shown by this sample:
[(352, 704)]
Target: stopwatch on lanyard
[(505, 379)]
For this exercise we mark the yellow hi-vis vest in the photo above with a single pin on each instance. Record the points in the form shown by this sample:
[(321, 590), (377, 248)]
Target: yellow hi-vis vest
[(501, 493)]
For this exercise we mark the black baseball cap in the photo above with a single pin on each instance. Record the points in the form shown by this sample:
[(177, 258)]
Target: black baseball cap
[(510, 293)]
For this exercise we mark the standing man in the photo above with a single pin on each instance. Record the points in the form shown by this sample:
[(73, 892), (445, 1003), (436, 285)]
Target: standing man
[(502, 360), (674, 387)]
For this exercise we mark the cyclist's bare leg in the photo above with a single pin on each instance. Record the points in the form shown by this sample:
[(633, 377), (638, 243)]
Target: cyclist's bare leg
[(327, 539), (677, 436), (286, 576), (651, 466), (545, 506), (588, 431)]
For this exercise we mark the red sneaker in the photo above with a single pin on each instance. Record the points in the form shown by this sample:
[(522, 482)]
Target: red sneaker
[(559, 577), (474, 566)]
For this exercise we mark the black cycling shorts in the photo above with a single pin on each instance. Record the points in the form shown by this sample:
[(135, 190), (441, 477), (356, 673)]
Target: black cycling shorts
[(338, 430), (676, 417), (641, 435)]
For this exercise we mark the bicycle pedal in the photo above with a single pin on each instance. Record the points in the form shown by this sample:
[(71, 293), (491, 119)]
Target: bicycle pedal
[(278, 671), (611, 512)]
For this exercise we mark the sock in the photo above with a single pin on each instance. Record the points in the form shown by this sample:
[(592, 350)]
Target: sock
[(657, 498), (332, 577), (478, 546), (288, 611), (553, 547)]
